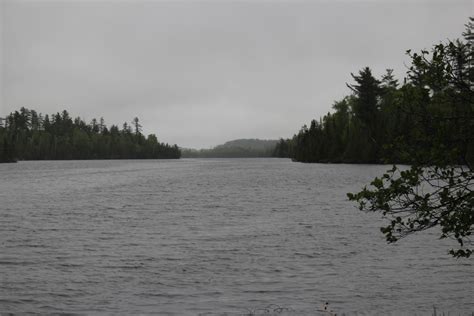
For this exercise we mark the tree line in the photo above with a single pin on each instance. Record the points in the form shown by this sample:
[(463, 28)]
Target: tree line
[(28, 135), (239, 148), (383, 121), (427, 122)]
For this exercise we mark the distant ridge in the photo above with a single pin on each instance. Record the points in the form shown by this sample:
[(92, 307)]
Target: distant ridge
[(238, 148)]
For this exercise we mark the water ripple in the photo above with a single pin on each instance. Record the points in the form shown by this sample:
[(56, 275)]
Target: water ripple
[(211, 237)]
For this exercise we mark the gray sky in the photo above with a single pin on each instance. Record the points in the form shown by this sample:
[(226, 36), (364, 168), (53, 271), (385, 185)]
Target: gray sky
[(199, 73)]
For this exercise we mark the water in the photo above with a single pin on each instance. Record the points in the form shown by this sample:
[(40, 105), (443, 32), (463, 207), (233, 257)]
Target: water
[(211, 237)]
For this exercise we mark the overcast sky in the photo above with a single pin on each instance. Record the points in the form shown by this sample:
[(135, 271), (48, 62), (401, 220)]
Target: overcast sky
[(199, 73)]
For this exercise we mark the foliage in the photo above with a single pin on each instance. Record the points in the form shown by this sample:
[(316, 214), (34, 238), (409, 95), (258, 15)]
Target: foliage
[(426, 123), (437, 188), (239, 148), (420, 198), (28, 135), (359, 128), (282, 148)]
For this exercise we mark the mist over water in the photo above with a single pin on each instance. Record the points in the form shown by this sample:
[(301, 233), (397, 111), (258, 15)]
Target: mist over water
[(214, 236)]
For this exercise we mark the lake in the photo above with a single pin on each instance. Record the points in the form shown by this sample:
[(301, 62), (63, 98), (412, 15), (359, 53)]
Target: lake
[(212, 237)]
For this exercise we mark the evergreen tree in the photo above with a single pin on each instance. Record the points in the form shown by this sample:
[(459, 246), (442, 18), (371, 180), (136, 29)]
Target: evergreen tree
[(437, 189), (28, 136)]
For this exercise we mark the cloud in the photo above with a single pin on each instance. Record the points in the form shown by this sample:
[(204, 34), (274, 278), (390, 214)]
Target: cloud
[(200, 73)]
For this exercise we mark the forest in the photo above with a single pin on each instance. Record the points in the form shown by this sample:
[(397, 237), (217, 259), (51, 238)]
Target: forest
[(238, 148), (28, 135), (427, 123), (385, 121)]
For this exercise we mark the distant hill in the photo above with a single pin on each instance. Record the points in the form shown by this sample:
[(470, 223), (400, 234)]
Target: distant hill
[(239, 148)]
